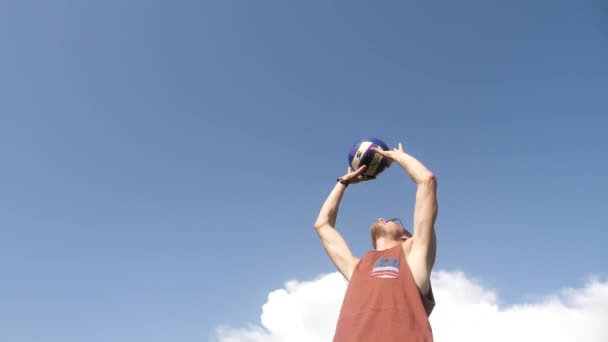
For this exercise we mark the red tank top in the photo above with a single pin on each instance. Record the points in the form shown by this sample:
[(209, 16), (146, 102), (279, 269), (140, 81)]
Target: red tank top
[(383, 303)]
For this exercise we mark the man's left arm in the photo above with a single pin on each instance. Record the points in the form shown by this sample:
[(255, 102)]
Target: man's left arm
[(425, 213), (421, 255)]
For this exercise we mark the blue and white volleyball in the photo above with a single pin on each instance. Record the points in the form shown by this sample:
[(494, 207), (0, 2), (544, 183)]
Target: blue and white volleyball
[(361, 153)]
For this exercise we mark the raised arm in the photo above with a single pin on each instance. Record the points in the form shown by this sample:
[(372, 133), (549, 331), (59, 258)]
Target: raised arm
[(334, 244), (421, 256), (425, 209)]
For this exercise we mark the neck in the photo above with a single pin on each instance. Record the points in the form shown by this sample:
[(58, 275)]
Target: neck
[(384, 243)]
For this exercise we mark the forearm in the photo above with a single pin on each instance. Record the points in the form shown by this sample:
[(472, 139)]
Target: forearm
[(425, 211), (329, 210), (415, 169)]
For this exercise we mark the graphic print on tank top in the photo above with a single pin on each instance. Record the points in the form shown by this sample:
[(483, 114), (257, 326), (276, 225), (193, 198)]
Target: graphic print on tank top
[(386, 268)]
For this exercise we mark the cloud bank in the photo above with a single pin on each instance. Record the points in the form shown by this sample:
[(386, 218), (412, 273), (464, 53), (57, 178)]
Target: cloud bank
[(307, 311)]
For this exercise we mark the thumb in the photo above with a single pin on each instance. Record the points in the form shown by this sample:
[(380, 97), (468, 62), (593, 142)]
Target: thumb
[(361, 169)]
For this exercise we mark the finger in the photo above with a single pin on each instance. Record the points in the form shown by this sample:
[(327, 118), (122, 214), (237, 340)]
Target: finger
[(379, 150), (400, 147), (360, 170)]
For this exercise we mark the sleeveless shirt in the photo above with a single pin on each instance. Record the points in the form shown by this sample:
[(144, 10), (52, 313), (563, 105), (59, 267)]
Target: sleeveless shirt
[(383, 303)]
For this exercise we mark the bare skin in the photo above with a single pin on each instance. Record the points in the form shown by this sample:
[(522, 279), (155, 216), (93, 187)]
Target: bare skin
[(419, 249)]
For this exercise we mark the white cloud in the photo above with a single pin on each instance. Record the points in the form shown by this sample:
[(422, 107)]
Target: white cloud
[(300, 312), (466, 311)]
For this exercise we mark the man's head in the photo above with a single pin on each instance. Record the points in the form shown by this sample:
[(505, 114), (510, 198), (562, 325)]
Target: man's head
[(391, 229)]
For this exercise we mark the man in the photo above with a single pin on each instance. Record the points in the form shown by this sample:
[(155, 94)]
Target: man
[(389, 295)]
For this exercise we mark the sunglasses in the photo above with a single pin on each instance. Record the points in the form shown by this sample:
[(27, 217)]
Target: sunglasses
[(396, 219)]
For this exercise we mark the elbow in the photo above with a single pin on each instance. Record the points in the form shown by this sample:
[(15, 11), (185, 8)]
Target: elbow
[(318, 225), (428, 179)]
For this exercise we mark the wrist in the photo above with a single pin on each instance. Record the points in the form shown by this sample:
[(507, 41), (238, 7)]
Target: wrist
[(343, 181), (401, 159)]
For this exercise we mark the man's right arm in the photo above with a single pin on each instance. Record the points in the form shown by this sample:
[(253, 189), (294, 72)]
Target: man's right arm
[(334, 244)]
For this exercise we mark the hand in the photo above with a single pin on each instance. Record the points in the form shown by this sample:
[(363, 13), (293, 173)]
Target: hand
[(390, 154), (356, 176)]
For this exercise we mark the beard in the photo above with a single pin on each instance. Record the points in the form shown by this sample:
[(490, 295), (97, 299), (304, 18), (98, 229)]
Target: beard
[(378, 231)]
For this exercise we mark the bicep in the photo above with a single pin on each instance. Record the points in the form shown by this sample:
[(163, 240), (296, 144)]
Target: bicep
[(425, 213), (338, 251)]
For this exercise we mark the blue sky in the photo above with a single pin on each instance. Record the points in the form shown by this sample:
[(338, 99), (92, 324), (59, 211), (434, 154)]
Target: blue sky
[(163, 163)]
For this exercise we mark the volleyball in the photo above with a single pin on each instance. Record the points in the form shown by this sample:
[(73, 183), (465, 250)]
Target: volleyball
[(361, 153)]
